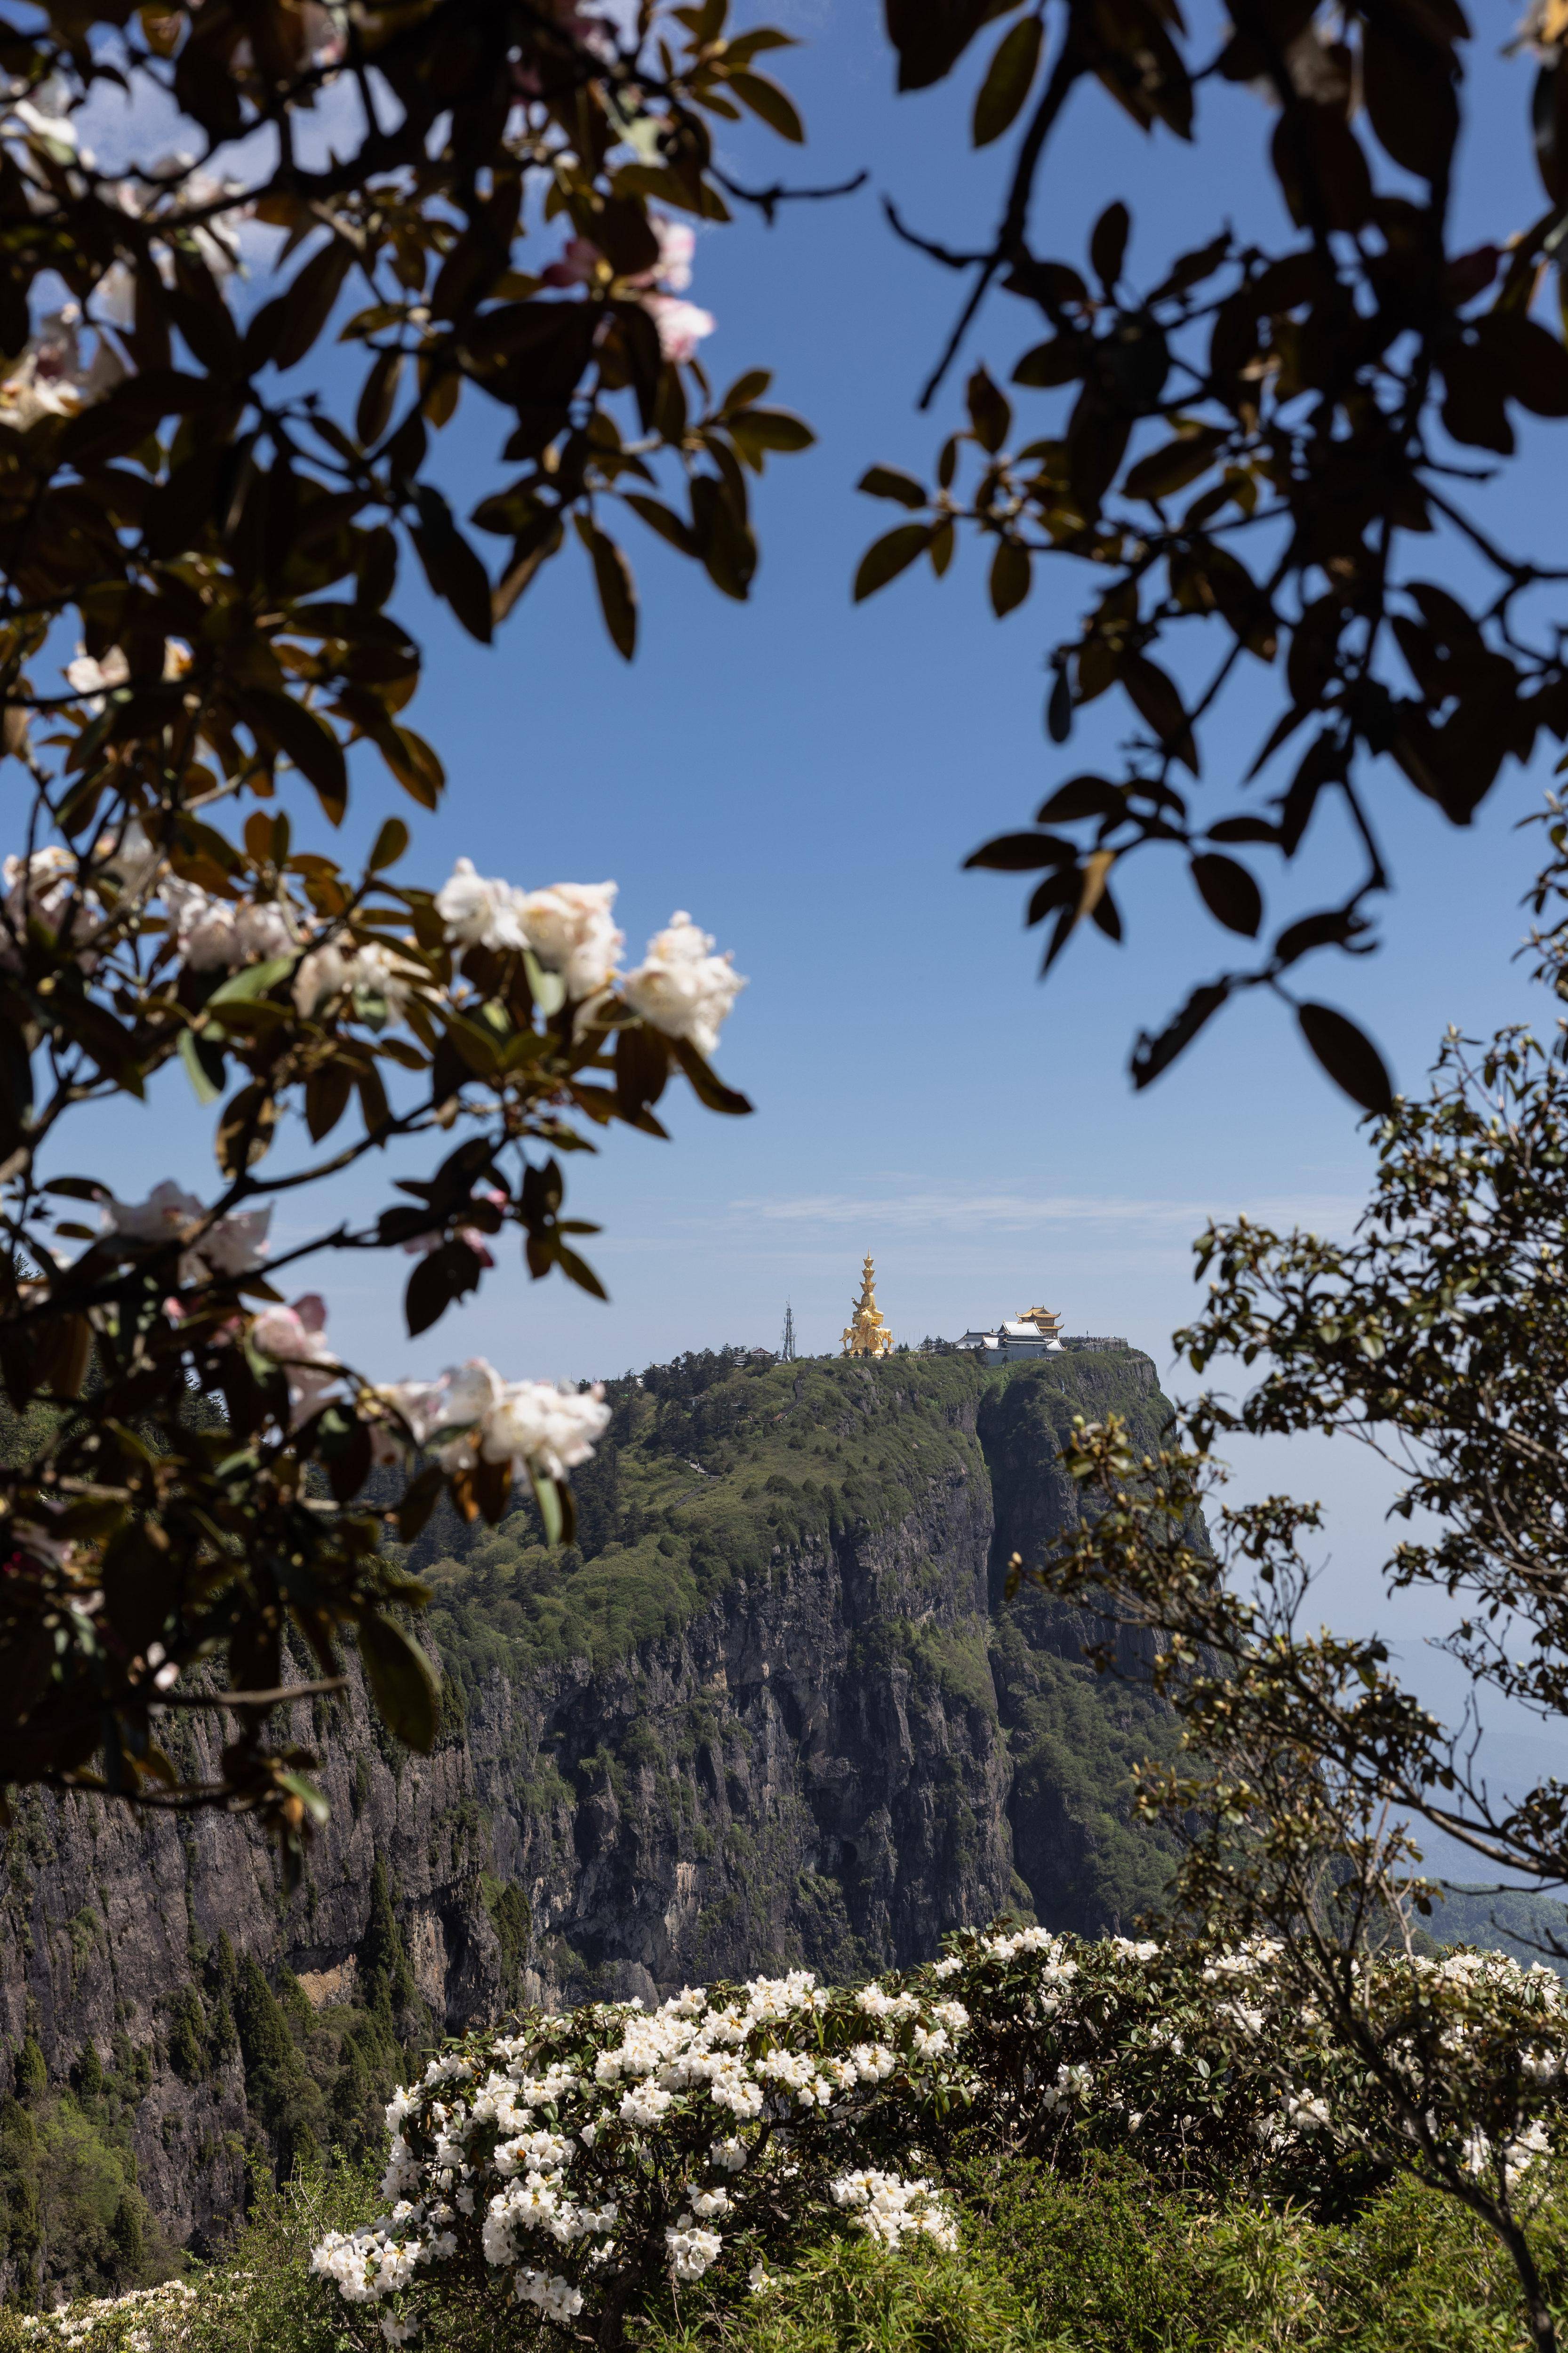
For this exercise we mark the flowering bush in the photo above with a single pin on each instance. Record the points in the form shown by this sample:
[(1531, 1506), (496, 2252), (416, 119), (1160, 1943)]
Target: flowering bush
[(144, 2320), (588, 2161)]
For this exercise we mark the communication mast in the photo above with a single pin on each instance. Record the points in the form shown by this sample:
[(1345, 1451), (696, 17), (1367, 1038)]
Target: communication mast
[(786, 1346)]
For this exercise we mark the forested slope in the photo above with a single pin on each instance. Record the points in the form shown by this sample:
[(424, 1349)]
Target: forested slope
[(772, 1710)]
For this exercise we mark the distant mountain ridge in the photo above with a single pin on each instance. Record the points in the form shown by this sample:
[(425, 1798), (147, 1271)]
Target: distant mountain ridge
[(772, 1710)]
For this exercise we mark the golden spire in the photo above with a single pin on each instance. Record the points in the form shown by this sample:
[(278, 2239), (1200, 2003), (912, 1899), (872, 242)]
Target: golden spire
[(867, 1335)]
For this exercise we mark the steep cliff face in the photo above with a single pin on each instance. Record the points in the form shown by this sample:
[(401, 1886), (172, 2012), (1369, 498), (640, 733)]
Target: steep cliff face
[(776, 1712)]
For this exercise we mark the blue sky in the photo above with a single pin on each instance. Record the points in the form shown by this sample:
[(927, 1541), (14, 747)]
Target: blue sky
[(805, 777)]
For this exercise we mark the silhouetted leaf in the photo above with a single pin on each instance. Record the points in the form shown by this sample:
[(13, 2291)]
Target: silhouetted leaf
[(1011, 573), (1152, 1055), (1350, 1058), (1108, 245), (1007, 79), (931, 35), (1229, 892), (1020, 853), (887, 556), (883, 483), (617, 591)]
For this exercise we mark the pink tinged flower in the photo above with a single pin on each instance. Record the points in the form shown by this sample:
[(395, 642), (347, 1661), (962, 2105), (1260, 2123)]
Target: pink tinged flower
[(236, 1245), (476, 1239), (203, 928), (570, 929), (339, 969), (677, 245), (43, 890), (681, 325), (295, 1337), (93, 679), (578, 266), (681, 987), (127, 857)]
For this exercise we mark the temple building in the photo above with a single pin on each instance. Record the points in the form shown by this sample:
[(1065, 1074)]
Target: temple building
[(1033, 1332), (866, 1335)]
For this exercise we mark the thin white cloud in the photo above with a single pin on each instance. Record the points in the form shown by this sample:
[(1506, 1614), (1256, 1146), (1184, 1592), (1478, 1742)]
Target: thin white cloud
[(952, 1208)]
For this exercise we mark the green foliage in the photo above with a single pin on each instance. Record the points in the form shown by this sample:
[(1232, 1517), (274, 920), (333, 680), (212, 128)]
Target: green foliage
[(1244, 470), (1116, 2261), (228, 540)]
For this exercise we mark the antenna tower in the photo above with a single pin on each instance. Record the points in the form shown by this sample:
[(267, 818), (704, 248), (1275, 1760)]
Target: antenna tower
[(786, 1346)]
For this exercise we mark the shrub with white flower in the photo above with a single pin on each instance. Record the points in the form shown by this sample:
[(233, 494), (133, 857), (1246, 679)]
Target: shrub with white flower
[(143, 2320), (592, 2161), (591, 2158)]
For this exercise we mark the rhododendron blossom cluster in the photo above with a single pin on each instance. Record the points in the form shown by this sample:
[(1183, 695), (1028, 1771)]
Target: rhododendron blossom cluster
[(614, 2148)]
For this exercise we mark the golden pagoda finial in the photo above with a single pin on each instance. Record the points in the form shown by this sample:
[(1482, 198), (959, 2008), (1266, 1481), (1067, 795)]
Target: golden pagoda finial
[(867, 1335)]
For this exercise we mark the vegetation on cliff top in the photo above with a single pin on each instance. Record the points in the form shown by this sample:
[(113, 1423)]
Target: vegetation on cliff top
[(1202, 2182)]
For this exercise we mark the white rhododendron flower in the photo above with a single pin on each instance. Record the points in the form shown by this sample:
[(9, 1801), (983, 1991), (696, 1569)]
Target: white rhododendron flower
[(94, 678), (593, 2151), (213, 935), (892, 2208), (681, 326), (339, 969), (43, 890), (295, 1337), (128, 857), (539, 1426), (233, 1245), (480, 913), (681, 987), (692, 2251), (571, 931)]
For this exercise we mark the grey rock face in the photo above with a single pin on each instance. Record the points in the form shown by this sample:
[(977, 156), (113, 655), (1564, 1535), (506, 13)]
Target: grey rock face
[(821, 1767)]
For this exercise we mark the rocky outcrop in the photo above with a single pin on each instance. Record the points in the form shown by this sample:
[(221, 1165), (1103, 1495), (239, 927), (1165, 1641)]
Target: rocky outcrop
[(849, 1746)]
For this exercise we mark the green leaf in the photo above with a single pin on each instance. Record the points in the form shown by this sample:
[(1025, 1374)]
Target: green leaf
[(887, 556), (989, 413), (1012, 574), (252, 980), (931, 35), (307, 302), (451, 567), (617, 590), (1350, 1058), (1154, 1054), (310, 1797), (1174, 466), (307, 740), (1007, 80), (750, 386), (775, 428), (664, 521), (402, 1680), (390, 844), (705, 1083), (884, 482), (203, 1064), (768, 100), (1021, 853), (547, 1496)]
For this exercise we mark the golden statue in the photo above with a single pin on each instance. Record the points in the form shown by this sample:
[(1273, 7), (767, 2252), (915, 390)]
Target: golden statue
[(868, 1335)]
